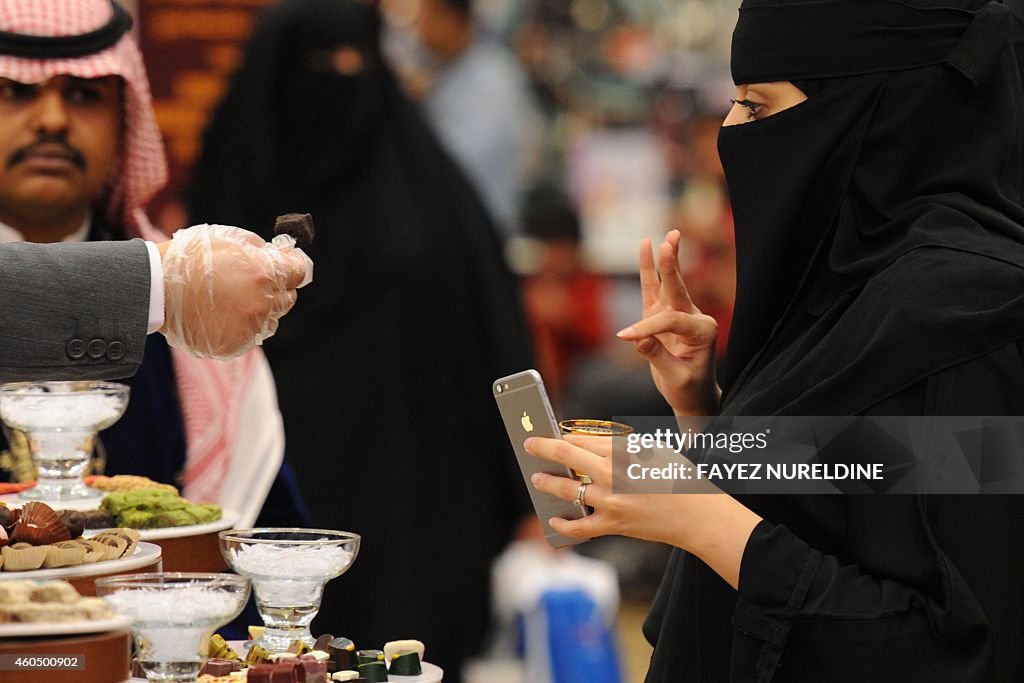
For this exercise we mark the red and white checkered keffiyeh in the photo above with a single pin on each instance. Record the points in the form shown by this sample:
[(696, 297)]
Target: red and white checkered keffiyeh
[(143, 167), (214, 394)]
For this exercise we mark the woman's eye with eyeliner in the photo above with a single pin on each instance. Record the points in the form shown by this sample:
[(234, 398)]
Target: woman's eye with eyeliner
[(753, 107)]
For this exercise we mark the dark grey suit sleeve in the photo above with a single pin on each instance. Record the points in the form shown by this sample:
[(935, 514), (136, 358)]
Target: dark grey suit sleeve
[(72, 311)]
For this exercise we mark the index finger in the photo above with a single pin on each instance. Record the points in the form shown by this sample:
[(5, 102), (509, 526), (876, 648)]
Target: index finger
[(649, 282), (564, 453), (298, 268)]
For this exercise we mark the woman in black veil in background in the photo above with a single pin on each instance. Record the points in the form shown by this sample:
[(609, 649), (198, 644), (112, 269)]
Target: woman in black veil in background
[(875, 164), (384, 374)]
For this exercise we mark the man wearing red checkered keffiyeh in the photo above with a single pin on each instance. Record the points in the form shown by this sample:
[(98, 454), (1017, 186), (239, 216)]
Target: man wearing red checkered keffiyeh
[(80, 156)]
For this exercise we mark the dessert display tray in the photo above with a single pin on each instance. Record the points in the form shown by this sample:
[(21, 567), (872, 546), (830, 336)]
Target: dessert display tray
[(145, 554), (83, 577), (57, 628), (227, 521)]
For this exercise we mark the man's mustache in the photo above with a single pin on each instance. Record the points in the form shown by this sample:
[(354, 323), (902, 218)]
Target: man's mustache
[(40, 145)]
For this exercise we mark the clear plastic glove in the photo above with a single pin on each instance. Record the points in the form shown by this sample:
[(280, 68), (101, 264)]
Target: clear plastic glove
[(225, 288)]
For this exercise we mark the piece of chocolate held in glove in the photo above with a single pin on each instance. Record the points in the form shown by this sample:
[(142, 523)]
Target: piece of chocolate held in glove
[(298, 225)]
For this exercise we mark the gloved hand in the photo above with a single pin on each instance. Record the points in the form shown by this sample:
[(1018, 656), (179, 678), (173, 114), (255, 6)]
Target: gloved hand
[(225, 288)]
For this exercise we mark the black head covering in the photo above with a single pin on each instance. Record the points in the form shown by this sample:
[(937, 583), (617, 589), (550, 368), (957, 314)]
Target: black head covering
[(909, 149), (384, 368), (291, 122)]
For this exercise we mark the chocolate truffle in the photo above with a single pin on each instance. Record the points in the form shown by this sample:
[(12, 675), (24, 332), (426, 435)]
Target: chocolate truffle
[(298, 225), (74, 521)]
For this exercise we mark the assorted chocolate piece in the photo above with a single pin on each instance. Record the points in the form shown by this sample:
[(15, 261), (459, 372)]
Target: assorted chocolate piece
[(74, 521), (343, 654), (6, 517), (219, 649), (374, 672), (298, 225), (369, 656), (220, 667), (406, 664), (323, 642), (98, 519), (46, 601), (39, 524), (289, 671), (352, 676), (38, 537), (405, 657), (256, 656)]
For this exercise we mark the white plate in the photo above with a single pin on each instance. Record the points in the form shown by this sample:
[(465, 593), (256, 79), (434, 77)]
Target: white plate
[(15, 500), (145, 554), (227, 521), (54, 628)]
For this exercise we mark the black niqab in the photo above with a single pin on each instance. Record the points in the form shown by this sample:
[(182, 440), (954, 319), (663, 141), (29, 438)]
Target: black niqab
[(384, 366)]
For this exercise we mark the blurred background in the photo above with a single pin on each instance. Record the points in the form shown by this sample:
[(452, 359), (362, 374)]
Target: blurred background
[(586, 126)]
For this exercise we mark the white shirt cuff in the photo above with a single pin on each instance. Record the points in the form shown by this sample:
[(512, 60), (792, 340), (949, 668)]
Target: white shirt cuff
[(156, 289)]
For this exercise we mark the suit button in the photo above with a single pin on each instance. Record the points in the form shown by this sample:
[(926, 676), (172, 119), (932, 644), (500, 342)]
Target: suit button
[(116, 351), (96, 349), (75, 349)]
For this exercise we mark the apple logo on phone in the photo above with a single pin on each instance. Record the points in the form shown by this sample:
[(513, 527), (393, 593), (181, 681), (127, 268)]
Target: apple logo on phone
[(527, 424)]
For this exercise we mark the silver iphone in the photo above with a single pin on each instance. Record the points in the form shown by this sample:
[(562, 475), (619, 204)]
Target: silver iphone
[(526, 411)]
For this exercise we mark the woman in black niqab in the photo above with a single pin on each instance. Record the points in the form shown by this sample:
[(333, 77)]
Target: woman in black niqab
[(880, 257), (384, 372)]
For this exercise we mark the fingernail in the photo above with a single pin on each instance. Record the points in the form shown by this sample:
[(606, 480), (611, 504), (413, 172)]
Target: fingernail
[(535, 478), (626, 332), (528, 444)]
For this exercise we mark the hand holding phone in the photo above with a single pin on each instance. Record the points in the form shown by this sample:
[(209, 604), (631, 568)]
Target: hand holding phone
[(526, 411)]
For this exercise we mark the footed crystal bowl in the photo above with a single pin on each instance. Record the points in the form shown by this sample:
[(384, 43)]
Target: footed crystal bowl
[(289, 568), (174, 615), (60, 421)]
